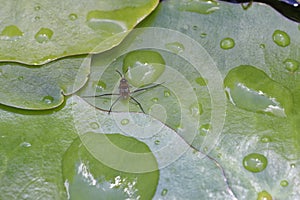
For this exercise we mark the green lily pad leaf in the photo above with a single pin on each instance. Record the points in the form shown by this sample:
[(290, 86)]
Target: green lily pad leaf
[(230, 39), (74, 165), (38, 32), (29, 87)]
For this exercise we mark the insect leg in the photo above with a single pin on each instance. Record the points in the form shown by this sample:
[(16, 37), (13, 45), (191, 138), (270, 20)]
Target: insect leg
[(146, 88), (101, 95), (137, 103), (114, 104)]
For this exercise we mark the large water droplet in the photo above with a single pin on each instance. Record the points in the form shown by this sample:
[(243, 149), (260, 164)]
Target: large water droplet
[(167, 93), (143, 67), (37, 7), (48, 99), (175, 47), (43, 35), (264, 195), (203, 35), (72, 16), (281, 38), (25, 144), (251, 89), (227, 43), (265, 139), (97, 20), (291, 65), (255, 162), (284, 183), (201, 7), (204, 129), (94, 125), (11, 32)]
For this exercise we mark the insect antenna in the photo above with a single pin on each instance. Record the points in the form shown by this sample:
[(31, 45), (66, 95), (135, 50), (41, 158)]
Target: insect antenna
[(119, 73)]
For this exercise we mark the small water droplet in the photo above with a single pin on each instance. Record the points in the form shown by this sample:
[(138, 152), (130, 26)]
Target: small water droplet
[(11, 32), (284, 183), (265, 139), (48, 99), (25, 144), (94, 125), (43, 35), (262, 46), (204, 129), (293, 165), (37, 18), (142, 67), (37, 8), (203, 35), (167, 93), (20, 78), (175, 47), (255, 162), (219, 155), (155, 99), (264, 195), (72, 16), (157, 142), (100, 85), (125, 121), (291, 65), (195, 27), (281, 38), (227, 43), (164, 192), (201, 81), (196, 109)]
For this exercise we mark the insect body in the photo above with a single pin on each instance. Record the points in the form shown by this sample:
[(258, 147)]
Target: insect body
[(124, 92)]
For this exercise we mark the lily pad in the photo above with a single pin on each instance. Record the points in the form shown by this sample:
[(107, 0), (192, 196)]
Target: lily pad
[(44, 87), (229, 35), (37, 32)]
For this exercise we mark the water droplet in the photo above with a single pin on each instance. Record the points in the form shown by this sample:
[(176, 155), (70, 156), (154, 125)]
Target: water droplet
[(219, 155), (291, 65), (37, 18), (204, 129), (25, 144), (97, 21), (155, 99), (20, 78), (125, 121), (201, 7), (72, 16), (43, 35), (227, 43), (94, 125), (100, 85), (196, 109), (201, 81), (203, 35), (281, 38), (157, 142), (284, 183), (262, 46), (37, 8), (251, 89), (255, 162), (293, 165), (48, 99), (11, 32), (195, 27), (264, 195), (175, 47), (265, 139), (164, 192), (143, 67), (167, 93)]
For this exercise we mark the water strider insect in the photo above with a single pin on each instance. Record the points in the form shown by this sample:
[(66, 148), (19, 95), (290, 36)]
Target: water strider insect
[(125, 93)]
